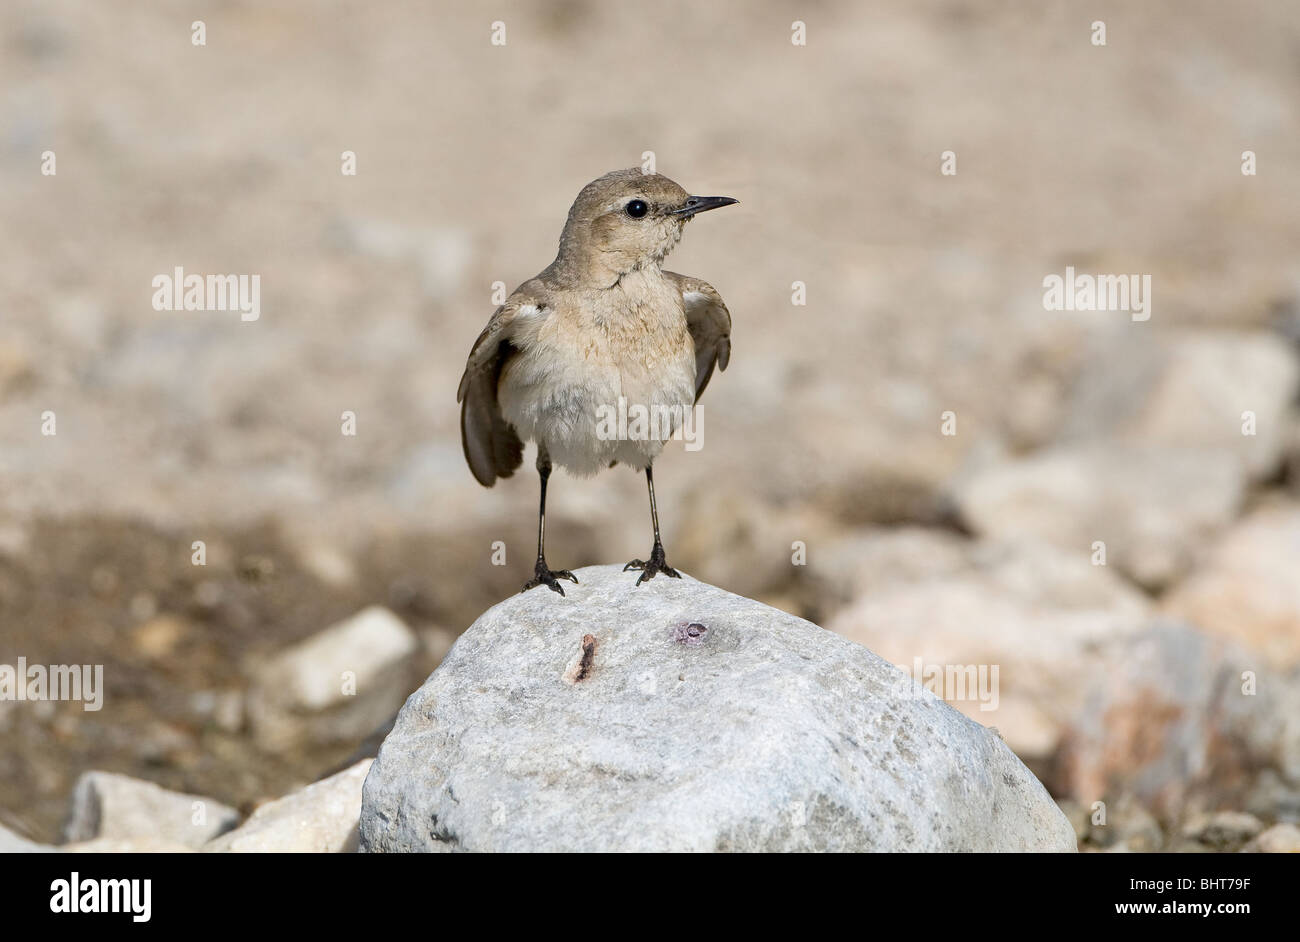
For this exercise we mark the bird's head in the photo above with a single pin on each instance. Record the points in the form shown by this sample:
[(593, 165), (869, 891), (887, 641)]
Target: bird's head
[(627, 220)]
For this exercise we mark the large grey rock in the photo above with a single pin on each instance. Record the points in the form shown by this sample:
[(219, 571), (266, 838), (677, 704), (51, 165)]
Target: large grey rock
[(605, 721), (108, 806)]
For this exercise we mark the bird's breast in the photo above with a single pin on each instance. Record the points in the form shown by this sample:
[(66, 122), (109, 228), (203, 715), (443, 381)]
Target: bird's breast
[(639, 327), (595, 353)]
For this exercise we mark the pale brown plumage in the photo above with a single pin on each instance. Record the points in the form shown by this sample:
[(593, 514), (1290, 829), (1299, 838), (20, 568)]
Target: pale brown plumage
[(709, 322), (492, 447), (602, 323)]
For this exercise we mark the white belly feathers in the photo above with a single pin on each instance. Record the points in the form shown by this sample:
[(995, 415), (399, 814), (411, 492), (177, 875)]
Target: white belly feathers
[(579, 379)]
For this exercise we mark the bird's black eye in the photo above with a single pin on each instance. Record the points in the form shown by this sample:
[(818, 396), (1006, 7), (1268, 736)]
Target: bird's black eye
[(637, 208)]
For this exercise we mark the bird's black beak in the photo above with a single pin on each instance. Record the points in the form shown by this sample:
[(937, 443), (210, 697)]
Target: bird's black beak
[(701, 204)]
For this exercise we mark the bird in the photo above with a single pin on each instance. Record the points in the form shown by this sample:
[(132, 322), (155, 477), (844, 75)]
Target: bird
[(603, 322)]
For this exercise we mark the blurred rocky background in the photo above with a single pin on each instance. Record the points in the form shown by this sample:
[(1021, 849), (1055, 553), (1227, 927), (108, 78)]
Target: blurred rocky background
[(1164, 683)]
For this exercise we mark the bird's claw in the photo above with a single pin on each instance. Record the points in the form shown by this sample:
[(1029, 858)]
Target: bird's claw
[(549, 578), (656, 564)]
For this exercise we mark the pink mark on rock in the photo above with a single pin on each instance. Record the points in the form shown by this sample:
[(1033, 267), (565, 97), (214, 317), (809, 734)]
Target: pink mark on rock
[(692, 633)]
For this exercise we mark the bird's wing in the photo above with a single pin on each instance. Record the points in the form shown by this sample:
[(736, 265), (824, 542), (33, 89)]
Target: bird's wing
[(709, 322), (492, 447)]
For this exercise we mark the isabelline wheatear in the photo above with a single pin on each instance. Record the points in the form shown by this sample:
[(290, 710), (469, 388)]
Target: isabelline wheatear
[(602, 322)]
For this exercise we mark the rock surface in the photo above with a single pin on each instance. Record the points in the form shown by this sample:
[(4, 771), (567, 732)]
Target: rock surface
[(1153, 507), (337, 685), (318, 819), (12, 843), (111, 807), (677, 716), (1180, 721), (1279, 839), (1037, 614), (1221, 830), (1188, 389), (1248, 590), (127, 845)]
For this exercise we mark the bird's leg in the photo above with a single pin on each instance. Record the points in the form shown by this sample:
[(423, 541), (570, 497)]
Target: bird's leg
[(541, 574), (657, 563)]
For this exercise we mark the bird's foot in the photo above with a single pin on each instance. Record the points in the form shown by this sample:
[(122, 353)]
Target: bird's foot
[(549, 578), (653, 566)]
